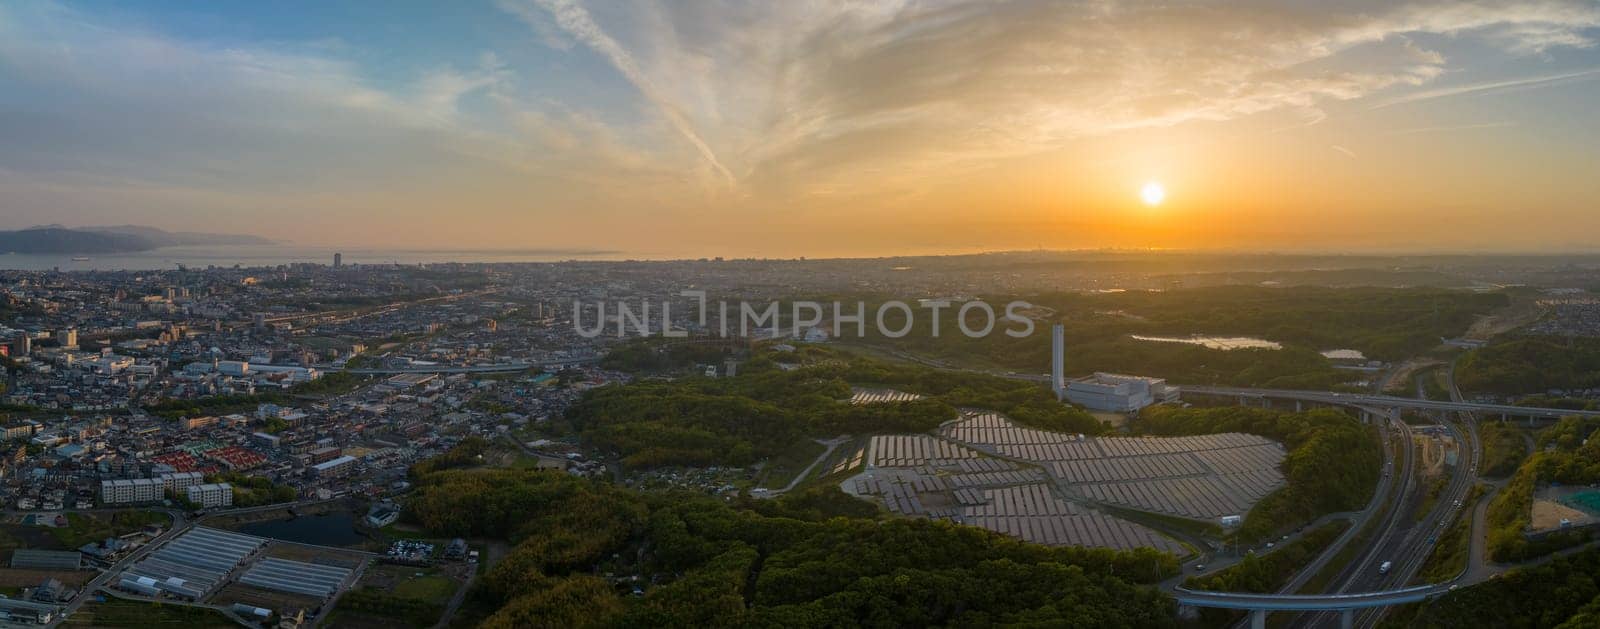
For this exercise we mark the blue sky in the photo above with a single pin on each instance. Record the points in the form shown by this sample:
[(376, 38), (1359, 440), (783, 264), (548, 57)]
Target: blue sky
[(809, 128)]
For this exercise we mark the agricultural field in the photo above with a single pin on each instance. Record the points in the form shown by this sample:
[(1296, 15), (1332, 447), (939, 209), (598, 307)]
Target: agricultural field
[(390, 596), (116, 612)]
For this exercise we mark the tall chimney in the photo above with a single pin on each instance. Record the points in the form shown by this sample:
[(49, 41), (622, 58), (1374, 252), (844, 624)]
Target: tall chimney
[(1058, 350)]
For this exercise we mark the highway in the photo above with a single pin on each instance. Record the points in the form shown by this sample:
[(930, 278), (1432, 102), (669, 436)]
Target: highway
[(1384, 494), (1360, 595), (1410, 552), (1371, 399)]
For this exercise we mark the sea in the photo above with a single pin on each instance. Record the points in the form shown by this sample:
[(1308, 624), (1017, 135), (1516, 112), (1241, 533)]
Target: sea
[(167, 258)]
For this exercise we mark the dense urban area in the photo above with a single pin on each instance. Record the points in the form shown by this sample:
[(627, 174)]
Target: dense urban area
[(1180, 440)]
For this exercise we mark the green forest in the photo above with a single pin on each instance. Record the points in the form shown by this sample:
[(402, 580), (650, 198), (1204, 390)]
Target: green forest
[(765, 410), (815, 559), (1561, 594), (1531, 365), (1565, 455), (1332, 463), (1383, 323), (1503, 449)]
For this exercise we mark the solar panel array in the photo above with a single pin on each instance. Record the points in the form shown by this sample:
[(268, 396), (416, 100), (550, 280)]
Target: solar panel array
[(1204, 476), (197, 561), (295, 577), (914, 450), (1012, 477), (879, 396), (990, 493), (1035, 514), (1089, 529)]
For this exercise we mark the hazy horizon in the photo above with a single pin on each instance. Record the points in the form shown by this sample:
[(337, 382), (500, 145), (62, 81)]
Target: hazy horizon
[(824, 130)]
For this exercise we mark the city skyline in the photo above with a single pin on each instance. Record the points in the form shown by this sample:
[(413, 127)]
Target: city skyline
[(820, 130)]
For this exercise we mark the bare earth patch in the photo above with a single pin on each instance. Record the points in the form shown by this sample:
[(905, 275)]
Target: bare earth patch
[(1547, 514)]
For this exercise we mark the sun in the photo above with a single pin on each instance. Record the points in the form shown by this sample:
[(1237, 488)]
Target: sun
[(1152, 193)]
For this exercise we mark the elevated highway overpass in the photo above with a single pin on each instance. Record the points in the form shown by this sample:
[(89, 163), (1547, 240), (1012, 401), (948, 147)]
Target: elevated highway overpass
[(1345, 604), (1390, 401)]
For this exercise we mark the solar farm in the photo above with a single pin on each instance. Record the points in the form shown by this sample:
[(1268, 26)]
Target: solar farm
[(1202, 477), (203, 562), (879, 396), (1044, 486)]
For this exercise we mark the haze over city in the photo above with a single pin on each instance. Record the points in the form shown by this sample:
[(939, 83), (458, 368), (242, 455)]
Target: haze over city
[(663, 129)]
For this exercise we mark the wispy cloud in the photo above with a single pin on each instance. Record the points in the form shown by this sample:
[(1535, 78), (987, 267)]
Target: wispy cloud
[(576, 21), (1459, 127), (1509, 85), (1343, 151)]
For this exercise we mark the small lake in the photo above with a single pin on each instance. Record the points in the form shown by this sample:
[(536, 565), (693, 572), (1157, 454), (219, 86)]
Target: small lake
[(1215, 342), (1344, 354), (329, 529)]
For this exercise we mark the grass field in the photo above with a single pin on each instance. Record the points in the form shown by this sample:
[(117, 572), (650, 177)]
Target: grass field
[(116, 612), (427, 588), (83, 528)]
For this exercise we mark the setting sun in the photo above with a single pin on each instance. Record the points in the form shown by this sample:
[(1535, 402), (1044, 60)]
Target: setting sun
[(1152, 193)]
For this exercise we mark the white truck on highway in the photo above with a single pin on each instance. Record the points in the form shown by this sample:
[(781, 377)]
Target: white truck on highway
[(1384, 568)]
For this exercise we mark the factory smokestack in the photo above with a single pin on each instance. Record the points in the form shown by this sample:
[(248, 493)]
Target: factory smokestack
[(1058, 350)]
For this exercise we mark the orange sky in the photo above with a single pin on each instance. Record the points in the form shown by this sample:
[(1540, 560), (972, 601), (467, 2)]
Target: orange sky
[(675, 129)]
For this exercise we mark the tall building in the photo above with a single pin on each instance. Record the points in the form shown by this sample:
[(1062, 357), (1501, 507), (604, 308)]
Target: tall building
[(338, 260), (68, 337), (1058, 354)]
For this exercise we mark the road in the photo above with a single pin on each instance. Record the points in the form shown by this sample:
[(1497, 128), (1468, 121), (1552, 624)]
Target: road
[(1395, 520), (1369, 399), (1381, 497), (829, 446), (1408, 553)]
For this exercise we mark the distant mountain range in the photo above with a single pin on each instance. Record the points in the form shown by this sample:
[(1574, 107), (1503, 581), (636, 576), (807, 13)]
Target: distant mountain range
[(49, 239)]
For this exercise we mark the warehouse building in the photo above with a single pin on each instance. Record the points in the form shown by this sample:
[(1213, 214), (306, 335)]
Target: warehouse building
[(1118, 393)]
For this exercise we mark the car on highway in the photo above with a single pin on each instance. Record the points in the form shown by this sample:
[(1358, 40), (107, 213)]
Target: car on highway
[(1384, 568), (1199, 567)]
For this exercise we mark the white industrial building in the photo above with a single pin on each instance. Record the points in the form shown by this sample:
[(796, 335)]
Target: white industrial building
[(1103, 391), (1119, 393)]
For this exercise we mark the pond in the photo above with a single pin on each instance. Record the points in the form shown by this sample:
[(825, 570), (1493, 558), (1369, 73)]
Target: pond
[(1215, 342), (329, 529)]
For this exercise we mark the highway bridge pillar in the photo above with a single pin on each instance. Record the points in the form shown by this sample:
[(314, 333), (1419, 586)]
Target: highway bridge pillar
[(1297, 407), (1347, 618), (1258, 619)]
